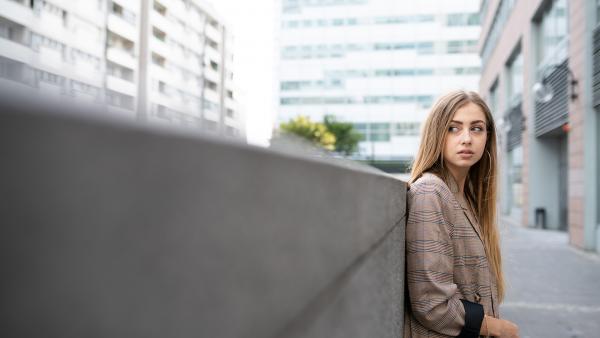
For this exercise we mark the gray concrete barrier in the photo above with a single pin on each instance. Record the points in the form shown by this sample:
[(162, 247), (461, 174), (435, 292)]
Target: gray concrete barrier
[(115, 229)]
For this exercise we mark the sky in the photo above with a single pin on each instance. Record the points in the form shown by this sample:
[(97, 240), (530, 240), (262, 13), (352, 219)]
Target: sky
[(253, 25)]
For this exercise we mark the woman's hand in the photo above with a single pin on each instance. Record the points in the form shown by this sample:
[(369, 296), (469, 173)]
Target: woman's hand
[(500, 328), (508, 329)]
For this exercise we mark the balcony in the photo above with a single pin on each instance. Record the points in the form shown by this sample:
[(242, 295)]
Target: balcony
[(122, 57), (212, 95), (122, 27), (214, 34), (162, 49), (211, 115), (16, 51), (211, 53), (119, 85), (158, 20), (229, 103), (18, 13), (212, 75)]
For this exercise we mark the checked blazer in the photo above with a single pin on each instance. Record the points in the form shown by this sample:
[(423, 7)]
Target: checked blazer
[(447, 271)]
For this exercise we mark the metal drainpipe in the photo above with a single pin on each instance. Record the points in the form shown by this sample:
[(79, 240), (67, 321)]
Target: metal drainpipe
[(142, 101), (105, 63), (223, 76), (202, 62)]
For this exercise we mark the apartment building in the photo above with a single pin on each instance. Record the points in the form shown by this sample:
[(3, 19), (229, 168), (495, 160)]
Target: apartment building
[(540, 66), (378, 64), (155, 60)]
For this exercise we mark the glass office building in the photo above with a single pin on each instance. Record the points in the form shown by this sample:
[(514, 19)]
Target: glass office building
[(378, 64)]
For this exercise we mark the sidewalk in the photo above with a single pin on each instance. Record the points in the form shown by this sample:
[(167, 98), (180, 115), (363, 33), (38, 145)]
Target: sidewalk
[(553, 290)]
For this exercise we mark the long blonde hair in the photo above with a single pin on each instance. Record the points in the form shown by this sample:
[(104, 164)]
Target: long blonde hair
[(481, 183)]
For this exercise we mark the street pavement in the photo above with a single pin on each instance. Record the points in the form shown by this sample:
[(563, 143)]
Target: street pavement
[(553, 289)]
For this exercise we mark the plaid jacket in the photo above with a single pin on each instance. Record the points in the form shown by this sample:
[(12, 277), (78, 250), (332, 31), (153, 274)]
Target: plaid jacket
[(448, 277)]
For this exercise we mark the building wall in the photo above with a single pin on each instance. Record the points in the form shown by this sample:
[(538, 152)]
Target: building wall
[(577, 112), (583, 140), (166, 61), (375, 64), (542, 155)]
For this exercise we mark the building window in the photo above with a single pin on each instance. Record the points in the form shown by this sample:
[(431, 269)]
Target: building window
[(211, 85), (122, 13), (423, 100), (119, 100), (157, 33), (462, 46), (211, 106), (119, 71), (553, 29), (162, 10), (501, 16), (515, 79), (210, 125), (38, 41), (79, 89), (212, 43), (13, 31), (382, 132), (158, 60), (82, 58), (493, 99), (230, 131), (515, 179), (407, 129), (214, 66), (118, 42), (16, 71), (462, 19)]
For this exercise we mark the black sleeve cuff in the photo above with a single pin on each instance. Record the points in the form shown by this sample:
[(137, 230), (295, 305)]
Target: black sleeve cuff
[(473, 319)]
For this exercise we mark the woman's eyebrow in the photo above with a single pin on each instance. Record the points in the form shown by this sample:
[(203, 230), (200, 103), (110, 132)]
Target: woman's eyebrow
[(472, 122)]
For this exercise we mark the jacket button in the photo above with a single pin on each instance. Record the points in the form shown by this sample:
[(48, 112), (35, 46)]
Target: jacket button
[(477, 297)]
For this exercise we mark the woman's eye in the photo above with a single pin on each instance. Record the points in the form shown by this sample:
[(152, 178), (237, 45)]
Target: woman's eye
[(453, 129), (477, 129)]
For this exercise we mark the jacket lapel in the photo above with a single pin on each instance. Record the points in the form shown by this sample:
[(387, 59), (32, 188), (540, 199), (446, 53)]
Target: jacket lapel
[(473, 222), (453, 186)]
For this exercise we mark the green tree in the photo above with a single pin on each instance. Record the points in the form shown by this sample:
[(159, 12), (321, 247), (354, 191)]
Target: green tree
[(313, 131), (346, 137)]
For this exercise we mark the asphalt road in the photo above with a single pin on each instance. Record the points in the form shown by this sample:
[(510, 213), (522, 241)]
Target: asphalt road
[(553, 289)]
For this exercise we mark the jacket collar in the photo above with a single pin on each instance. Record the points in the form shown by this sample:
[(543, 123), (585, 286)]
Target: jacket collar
[(462, 201)]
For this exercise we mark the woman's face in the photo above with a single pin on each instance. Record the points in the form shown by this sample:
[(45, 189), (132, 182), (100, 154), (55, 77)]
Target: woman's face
[(466, 138)]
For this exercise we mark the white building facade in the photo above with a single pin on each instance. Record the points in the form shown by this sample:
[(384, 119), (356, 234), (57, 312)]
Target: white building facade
[(379, 64), (155, 60)]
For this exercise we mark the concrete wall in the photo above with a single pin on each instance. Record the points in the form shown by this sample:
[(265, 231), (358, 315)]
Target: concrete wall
[(111, 229)]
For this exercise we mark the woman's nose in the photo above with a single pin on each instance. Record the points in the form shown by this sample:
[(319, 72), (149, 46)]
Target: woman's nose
[(466, 136)]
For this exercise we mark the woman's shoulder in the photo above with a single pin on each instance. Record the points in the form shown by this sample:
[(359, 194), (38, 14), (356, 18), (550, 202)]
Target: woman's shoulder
[(428, 190), (429, 182)]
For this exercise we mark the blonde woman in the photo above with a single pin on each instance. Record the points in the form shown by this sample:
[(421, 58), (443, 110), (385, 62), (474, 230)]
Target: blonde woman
[(454, 268)]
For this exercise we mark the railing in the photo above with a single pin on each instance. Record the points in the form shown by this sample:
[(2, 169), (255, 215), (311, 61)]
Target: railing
[(116, 229)]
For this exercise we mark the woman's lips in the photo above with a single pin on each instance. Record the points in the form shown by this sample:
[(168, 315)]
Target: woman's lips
[(465, 154)]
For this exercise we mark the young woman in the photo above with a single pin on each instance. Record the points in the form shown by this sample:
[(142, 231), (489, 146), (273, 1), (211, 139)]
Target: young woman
[(454, 268)]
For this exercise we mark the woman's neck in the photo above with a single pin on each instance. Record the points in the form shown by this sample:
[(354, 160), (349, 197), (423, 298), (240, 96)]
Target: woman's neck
[(460, 176)]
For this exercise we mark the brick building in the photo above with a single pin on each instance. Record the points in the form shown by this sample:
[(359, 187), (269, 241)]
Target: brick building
[(539, 75)]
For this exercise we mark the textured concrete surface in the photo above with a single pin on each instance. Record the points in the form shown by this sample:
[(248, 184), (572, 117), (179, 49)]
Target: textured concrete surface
[(112, 229), (554, 289), (366, 301)]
